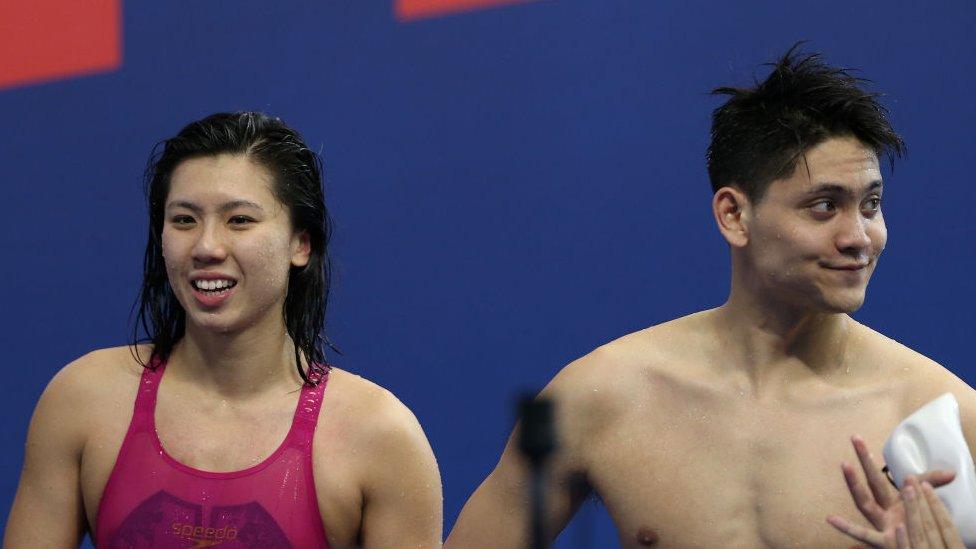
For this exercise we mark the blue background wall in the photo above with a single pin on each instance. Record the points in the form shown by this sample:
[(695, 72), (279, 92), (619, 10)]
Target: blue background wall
[(512, 187)]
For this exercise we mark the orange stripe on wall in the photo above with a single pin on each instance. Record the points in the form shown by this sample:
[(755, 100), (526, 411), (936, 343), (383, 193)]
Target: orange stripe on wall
[(44, 40), (406, 10)]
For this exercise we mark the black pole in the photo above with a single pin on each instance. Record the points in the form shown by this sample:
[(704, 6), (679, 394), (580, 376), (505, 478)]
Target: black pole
[(537, 441)]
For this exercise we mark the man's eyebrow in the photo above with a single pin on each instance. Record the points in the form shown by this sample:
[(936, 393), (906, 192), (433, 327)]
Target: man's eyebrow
[(834, 188), (233, 204)]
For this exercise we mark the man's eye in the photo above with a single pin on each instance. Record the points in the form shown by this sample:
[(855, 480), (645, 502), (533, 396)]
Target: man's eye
[(182, 220), (823, 206), (873, 204)]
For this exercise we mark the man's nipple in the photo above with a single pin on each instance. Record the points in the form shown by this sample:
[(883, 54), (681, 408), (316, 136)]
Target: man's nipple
[(647, 537)]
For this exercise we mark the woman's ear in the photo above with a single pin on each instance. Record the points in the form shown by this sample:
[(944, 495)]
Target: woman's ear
[(302, 247), (731, 208)]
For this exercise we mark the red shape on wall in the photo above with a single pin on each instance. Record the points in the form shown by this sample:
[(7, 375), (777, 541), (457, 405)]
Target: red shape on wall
[(44, 40), (417, 9)]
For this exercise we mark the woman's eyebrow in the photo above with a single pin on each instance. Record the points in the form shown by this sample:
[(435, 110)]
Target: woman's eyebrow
[(233, 204)]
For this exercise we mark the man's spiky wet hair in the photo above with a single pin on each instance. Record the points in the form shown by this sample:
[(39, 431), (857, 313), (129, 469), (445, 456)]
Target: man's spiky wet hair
[(760, 133)]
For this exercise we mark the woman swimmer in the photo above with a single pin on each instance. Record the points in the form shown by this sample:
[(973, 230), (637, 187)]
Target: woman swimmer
[(210, 433)]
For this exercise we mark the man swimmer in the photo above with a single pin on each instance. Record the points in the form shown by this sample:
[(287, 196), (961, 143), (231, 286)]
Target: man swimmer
[(724, 428)]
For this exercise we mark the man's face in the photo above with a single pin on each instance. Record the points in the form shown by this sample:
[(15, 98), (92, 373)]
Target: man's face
[(815, 237)]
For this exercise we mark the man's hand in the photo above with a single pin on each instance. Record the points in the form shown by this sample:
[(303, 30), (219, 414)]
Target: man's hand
[(900, 520)]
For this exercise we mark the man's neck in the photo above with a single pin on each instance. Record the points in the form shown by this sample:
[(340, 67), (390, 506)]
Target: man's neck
[(770, 341)]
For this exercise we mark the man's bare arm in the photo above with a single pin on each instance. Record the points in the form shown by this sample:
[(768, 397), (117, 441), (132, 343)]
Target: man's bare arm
[(497, 514), (48, 509)]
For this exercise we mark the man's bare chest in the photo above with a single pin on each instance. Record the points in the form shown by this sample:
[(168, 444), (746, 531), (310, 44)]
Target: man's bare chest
[(735, 472)]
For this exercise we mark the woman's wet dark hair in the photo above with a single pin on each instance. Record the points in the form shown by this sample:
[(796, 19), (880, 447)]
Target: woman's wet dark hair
[(297, 177), (760, 133)]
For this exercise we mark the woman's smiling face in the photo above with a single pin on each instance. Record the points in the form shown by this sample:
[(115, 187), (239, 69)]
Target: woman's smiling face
[(228, 243)]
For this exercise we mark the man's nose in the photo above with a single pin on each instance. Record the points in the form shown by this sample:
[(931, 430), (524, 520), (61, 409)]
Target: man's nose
[(853, 234)]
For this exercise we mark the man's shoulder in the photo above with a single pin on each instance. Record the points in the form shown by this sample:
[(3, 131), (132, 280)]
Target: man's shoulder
[(899, 360), (924, 378), (659, 348), (621, 370)]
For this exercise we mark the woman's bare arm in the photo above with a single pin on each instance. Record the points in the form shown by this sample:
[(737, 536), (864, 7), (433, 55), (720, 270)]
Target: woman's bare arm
[(48, 510), (403, 503)]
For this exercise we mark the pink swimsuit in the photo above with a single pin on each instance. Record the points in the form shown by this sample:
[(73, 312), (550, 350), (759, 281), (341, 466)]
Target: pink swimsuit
[(151, 500)]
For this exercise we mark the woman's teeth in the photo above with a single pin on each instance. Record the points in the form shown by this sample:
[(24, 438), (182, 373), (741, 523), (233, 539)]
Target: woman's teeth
[(213, 285)]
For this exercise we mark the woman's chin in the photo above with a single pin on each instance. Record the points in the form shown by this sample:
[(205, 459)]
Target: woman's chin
[(215, 323)]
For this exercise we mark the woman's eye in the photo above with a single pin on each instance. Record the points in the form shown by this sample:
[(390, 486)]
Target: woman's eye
[(181, 220), (240, 220)]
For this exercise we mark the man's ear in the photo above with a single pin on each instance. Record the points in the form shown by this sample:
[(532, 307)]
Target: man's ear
[(302, 247), (732, 211)]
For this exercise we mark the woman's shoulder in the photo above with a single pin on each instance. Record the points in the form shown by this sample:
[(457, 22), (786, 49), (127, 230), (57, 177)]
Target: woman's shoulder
[(356, 398), (86, 393), (369, 417), (365, 434), (368, 451), (102, 370), (99, 380)]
